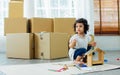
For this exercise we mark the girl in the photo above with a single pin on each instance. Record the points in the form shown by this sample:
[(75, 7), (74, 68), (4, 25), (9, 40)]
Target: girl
[(79, 41)]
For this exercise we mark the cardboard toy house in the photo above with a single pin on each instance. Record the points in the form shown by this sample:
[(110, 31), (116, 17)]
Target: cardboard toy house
[(90, 61)]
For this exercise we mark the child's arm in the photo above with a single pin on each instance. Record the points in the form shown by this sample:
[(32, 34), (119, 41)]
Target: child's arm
[(92, 44), (72, 44)]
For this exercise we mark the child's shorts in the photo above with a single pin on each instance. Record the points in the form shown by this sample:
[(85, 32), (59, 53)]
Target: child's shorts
[(79, 52)]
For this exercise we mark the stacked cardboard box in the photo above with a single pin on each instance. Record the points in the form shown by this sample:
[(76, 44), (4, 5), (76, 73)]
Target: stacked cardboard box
[(52, 48), (64, 25), (23, 33), (41, 24), (51, 45), (16, 9), (17, 28), (61, 27), (20, 45), (54, 45), (16, 25), (37, 45)]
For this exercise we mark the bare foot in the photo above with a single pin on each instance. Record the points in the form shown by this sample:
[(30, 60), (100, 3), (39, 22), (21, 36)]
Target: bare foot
[(79, 62)]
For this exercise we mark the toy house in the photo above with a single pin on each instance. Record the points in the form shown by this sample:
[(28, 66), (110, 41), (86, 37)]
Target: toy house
[(90, 61)]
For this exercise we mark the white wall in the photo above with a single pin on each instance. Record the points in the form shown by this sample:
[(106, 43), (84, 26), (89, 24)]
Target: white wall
[(28, 8), (108, 42), (85, 9)]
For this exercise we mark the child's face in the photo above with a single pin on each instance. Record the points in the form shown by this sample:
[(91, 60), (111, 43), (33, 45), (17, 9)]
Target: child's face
[(80, 28)]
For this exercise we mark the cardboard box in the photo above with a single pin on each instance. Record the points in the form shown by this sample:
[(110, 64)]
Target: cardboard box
[(16, 25), (20, 45), (54, 45), (41, 24), (16, 9), (37, 45), (64, 25)]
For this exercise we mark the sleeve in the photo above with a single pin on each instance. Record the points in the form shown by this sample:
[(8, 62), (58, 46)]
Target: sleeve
[(91, 38), (71, 39)]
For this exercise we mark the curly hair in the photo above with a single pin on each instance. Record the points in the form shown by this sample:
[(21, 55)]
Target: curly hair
[(84, 22)]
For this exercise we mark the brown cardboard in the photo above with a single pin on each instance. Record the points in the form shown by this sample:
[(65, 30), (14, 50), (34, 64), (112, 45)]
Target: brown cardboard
[(16, 25), (54, 45), (64, 25), (41, 24), (20, 45), (37, 45), (16, 9)]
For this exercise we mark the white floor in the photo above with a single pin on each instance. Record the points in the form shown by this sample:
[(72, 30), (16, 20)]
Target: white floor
[(110, 56), (52, 69)]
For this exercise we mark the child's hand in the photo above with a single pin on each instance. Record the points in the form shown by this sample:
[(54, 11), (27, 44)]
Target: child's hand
[(74, 41), (93, 43), (72, 44)]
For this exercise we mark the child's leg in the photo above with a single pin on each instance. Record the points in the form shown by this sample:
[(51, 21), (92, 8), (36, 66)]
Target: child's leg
[(85, 59), (88, 48), (79, 60), (78, 55)]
